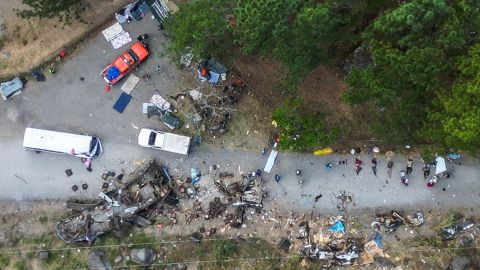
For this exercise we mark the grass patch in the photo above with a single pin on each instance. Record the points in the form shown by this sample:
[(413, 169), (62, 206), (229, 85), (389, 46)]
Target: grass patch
[(21, 264), (224, 249), (451, 218), (4, 261), (43, 219)]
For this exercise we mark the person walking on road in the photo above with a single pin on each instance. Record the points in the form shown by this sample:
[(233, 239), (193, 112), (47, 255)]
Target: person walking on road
[(426, 170), (358, 165), (409, 165), (374, 166)]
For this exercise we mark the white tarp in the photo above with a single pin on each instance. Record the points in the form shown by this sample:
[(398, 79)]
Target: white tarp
[(113, 31), (116, 35), (271, 160), (440, 167), (160, 102), (129, 84), (121, 40)]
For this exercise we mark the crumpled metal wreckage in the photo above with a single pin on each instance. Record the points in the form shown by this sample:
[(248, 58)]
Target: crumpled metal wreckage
[(132, 201)]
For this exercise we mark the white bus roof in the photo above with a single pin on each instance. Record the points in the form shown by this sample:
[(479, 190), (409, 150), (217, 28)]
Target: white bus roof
[(60, 142)]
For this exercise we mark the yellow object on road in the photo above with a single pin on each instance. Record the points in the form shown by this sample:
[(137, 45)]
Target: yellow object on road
[(324, 151)]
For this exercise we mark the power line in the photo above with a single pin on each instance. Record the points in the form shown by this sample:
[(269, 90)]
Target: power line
[(204, 261), (203, 240), (273, 258)]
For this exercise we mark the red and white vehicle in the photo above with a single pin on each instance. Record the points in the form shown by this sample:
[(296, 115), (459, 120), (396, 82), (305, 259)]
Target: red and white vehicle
[(125, 63)]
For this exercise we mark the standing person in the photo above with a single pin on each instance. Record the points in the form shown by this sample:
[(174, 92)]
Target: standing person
[(426, 170), (409, 165), (374, 166), (358, 165), (389, 167)]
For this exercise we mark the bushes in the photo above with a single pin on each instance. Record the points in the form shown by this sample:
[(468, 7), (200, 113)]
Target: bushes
[(300, 130)]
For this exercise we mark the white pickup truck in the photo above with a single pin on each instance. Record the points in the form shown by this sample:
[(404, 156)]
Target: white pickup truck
[(164, 141)]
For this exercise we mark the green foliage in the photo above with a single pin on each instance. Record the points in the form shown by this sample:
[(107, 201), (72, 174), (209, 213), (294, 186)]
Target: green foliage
[(224, 249), (300, 130), (200, 27), (460, 112), (21, 264), (62, 9), (4, 261), (260, 23), (449, 25), (43, 219), (400, 84)]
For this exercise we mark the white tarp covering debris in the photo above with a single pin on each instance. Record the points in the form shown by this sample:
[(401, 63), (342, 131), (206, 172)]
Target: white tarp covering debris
[(116, 35), (160, 102)]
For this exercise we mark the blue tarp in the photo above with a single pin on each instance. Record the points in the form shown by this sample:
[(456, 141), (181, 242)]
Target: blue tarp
[(122, 102), (378, 238), (112, 73), (11, 87), (338, 227), (194, 173)]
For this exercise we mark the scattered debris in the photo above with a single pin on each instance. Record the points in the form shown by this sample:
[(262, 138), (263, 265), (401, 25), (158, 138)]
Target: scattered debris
[(144, 256), (449, 233), (393, 220), (11, 88), (285, 244), (216, 208), (43, 255), (98, 260), (143, 191)]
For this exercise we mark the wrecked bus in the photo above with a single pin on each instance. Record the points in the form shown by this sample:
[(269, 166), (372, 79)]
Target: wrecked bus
[(41, 140)]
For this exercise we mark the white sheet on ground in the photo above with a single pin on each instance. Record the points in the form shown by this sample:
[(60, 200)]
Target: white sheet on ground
[(160, 102), (270, 161), (130, 84), (121, 40), (441, 166), (112, 32)]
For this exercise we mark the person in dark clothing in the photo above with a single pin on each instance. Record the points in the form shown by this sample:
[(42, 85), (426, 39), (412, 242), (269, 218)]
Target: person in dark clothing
[(142, 37), (426, 170), (358, 165), (409, 166), (374, 166)]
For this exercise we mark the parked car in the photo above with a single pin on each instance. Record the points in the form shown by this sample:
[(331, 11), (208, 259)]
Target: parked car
[(127, 61), (164, 141)]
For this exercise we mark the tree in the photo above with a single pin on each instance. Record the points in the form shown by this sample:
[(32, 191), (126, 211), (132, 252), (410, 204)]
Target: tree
[(200, 27), (300, 130), (62, 9), (460, 117), (401, 85), (443, 24)]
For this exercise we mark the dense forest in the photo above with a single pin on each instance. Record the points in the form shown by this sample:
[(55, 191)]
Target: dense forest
[(415, 64)]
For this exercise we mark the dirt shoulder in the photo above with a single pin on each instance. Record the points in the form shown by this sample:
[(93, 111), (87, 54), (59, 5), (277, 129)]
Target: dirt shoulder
[(29, 227), (29, 42)]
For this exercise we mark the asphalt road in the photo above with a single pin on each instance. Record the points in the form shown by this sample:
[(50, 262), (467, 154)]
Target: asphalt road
[(66, 103)]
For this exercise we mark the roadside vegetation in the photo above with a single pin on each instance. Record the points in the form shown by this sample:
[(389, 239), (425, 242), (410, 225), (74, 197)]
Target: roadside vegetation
[(416, 75), (64, 10)]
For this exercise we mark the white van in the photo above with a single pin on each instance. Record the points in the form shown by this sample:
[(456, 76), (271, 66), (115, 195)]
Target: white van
[(82, 146)]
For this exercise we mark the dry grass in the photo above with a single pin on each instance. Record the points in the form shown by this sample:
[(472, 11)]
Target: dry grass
[(30, 42)]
